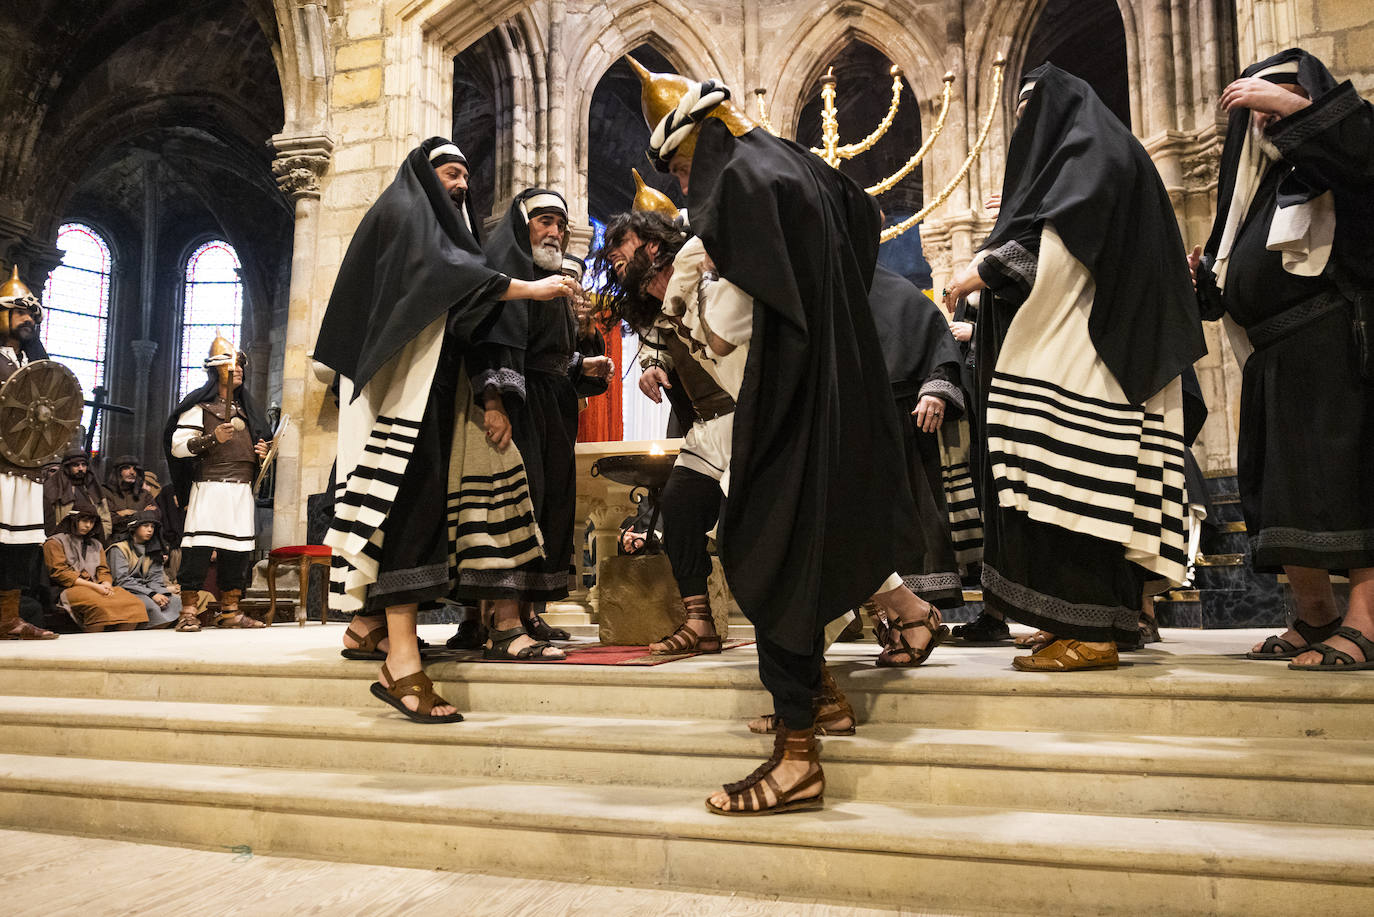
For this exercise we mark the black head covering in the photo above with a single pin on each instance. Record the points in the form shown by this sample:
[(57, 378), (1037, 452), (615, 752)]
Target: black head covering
[(508, 251), (1312, 76), (1073, 163), (82, 507), (155, 544), (911, 329), (183, 470), (114, 483), (413, 258)]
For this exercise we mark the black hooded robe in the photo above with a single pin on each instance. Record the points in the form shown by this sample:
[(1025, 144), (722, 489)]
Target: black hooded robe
[(922, 359), (1060, 466), (819, 511), (1306, 416), (530, 356)]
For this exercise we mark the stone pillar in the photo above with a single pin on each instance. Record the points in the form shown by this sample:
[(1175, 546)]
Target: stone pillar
[(299, 164), (145, 347), (143, 351)]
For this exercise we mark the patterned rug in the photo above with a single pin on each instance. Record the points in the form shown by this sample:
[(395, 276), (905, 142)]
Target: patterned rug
[(592, 654)]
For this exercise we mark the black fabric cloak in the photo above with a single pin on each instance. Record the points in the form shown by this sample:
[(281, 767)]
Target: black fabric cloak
[(1073, 163), (914, 335), (183, 470), (412, 259), (806, 533)]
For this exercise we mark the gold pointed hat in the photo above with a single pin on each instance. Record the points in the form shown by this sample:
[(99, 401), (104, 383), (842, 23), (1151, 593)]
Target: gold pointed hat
[(652, 200), (660, 93), (14, 289)]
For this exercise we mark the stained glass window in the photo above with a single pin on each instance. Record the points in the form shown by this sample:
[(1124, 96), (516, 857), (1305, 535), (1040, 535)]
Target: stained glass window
[(76, 309), (213, 302)]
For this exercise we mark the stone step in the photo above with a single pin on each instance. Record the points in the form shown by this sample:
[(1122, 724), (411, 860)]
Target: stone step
[(953, 858), (1156, 692), (1331, 782)]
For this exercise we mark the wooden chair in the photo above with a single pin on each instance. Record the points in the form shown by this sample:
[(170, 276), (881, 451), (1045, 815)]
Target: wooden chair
[(306, 557)]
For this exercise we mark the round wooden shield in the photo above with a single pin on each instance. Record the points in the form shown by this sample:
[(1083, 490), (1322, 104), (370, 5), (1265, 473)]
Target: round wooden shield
[(40, 409)]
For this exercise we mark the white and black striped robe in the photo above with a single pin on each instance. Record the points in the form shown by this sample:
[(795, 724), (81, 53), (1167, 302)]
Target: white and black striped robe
[(1085, 489), (490, 520)]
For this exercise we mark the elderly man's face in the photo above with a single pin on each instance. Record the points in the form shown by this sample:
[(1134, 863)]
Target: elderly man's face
[(548, 232), (128, 474), (454, 177), (630, 246)]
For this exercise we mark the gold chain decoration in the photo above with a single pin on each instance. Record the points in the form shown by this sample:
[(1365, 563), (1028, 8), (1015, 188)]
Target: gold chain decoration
[(887, 183), (893, 232)]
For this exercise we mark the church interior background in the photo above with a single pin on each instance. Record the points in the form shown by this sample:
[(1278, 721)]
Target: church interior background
[(173, 167)]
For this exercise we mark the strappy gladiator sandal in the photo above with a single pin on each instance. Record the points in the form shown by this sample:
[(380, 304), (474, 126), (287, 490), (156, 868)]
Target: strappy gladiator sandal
[(188, 622), (1275, 647), (834, 715), (501, 640), (418, 686), (235, 618), (881, 627), (684, 639), (748, 797), (897, 644)]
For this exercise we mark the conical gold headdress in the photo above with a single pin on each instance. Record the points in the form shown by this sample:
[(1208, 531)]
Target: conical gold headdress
[(660, 94), (652, 200), (223, 357), (14, 289)]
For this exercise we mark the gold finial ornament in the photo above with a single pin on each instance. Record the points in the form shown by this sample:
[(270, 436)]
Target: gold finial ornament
[(660, 93), (14, 289), (652, 200)]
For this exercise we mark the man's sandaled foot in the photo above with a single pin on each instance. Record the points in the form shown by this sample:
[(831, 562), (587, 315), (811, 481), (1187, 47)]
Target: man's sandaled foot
[(23, 630), (1347, 650), (188, 622), (903, 653), (986, 628), (1294, 641), (791, 780), (515, 645), (540, 629), (1036, 641), (1067, 656), (238, 619), (413, 695)]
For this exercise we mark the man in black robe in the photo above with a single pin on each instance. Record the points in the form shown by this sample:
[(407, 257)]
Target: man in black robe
[(412, 295), (529, 365), (126, 493), (1080, 400), (803, 537), (73, 481), (1288, 266)]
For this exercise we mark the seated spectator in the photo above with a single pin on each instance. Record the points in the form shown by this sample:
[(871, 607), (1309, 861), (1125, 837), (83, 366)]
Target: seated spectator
[(135, 563), (126, 493), (71, 483), (76, 565)]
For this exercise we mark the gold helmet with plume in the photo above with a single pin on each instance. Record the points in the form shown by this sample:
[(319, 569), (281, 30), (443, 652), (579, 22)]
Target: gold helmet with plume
[(15, 294), (224, 357), (652, 200), (673, 106)]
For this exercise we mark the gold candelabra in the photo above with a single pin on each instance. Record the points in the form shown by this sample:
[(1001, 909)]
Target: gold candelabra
[(833, 152)]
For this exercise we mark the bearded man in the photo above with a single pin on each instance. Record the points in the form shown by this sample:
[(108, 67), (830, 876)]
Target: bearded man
[(1288, 267), (74, 482), (430, 497), (22, 529), (127, 493), (528, 365)]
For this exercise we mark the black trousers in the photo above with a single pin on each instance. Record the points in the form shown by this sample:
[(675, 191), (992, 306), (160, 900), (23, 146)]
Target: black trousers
[(232, 567), (793, 680), (20, 566), (691, 506)]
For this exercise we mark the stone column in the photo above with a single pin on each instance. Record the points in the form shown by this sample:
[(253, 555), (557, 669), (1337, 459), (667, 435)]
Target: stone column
[(143, 351), (145, 347), (299, 164)]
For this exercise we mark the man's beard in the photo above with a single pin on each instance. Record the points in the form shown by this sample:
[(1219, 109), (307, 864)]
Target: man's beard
[(549, 258), (23, 333), (1263, 144), (458, 196)]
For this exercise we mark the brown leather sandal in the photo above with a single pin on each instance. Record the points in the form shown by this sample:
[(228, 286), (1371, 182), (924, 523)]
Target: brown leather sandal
[(881, 627), (23, 630), (237, 619), (834, 715), (188, 622), (747, 797), (1066, 656), (418, 686), (684, 639), (897, 643)]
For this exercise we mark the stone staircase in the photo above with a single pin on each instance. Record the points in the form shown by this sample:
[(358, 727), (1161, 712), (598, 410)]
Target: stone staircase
[(1168, 786)]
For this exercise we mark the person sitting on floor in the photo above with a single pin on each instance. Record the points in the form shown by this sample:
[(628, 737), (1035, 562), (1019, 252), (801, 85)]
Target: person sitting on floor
[(127, 492), (135, 563), (76, 564)]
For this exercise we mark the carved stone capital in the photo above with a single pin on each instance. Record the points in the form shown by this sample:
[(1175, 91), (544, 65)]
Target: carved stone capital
[(300, 163), (143, 354)]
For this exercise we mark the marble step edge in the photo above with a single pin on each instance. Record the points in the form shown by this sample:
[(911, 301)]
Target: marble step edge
[(1243, 679), (1190, 846), (1334, 761)]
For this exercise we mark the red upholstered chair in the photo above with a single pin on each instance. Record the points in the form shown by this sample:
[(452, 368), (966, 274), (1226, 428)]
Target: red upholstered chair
[(306, 557)]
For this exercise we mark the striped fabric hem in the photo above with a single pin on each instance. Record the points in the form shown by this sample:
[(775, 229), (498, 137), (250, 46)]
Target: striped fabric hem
[(961, 501)]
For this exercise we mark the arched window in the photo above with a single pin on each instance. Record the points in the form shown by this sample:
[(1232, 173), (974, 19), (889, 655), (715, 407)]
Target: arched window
[(76, 309), (212, 301)]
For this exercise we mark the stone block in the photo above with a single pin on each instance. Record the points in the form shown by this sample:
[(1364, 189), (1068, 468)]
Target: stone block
[(354, 157), (353, 125), (357, 87), (359, 54), (1356, 52), (1337, 15), (639, 601), (364, 20)]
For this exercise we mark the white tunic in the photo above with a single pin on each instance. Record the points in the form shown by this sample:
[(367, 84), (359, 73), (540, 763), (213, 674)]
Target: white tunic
[(220, 514), (21, 500)]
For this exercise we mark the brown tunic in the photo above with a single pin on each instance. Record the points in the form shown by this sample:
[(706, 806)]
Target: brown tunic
[(119, 607)]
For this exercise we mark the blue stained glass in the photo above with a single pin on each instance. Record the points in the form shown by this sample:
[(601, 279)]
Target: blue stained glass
[(76, 309), (213, 303)]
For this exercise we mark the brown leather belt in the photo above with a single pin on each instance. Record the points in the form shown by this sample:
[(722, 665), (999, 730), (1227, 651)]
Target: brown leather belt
[(713, 406)]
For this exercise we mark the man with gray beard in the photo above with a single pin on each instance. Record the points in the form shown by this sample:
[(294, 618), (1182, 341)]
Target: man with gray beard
[(1287, 266)]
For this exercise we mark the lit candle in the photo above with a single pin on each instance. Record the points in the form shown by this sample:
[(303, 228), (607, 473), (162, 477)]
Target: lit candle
[(655, 449)]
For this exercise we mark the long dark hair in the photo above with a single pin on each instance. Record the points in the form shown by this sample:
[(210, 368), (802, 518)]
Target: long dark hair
[(626, 298)]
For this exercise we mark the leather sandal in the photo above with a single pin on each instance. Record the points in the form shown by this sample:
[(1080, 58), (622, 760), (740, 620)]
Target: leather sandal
[(881, 627), (684, 640), (1035, 642), (897, 644), (499, 651), (540, 629), (418, 686), (1066, 656), (188, 622), (237, 619), (368, 648), (834, 716), (472, 634), (1334, 660), (1275, 647), (748, 796)]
